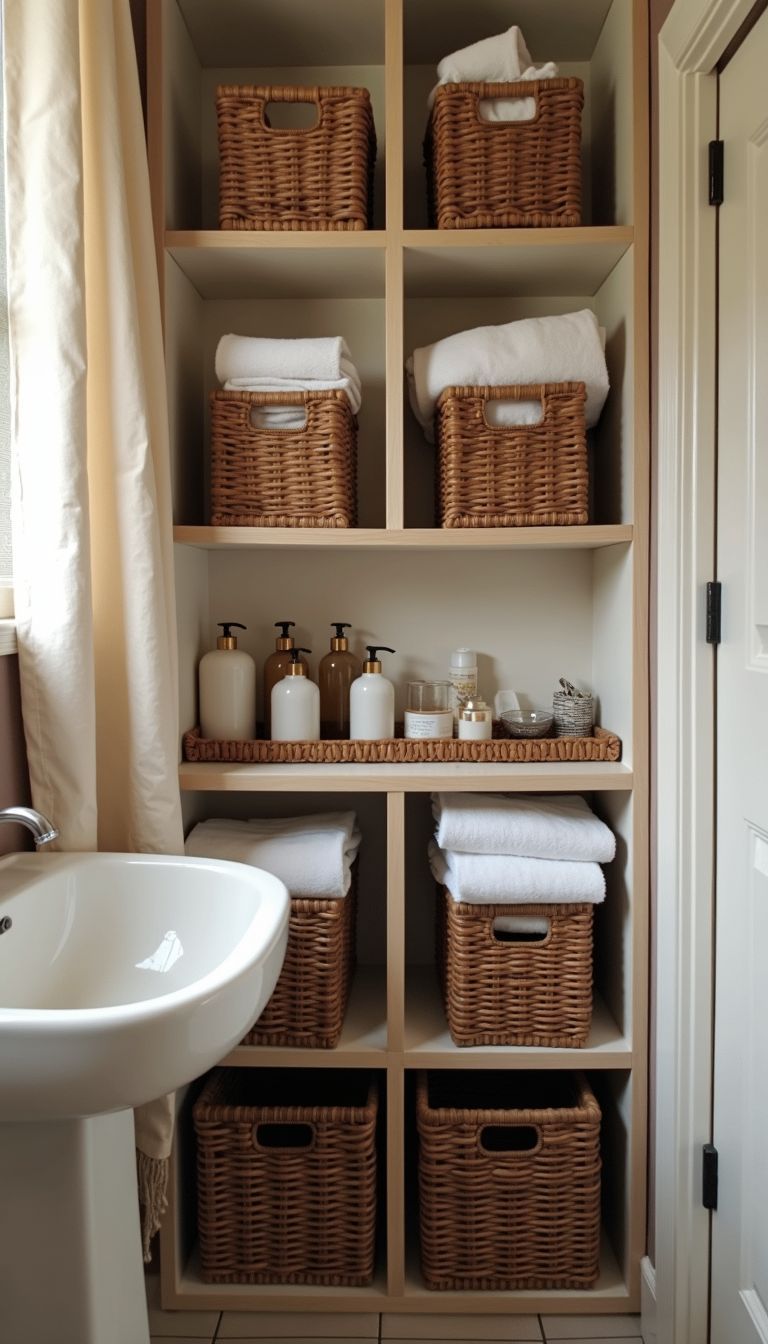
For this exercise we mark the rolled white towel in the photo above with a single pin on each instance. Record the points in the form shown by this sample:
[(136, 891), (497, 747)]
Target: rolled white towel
[(496, 879), (561, 826), (502, 59), (312, 855), (261, 364), (263, 357), (534, 350)]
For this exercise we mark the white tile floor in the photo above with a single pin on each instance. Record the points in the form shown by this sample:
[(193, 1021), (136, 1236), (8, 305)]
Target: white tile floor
[(193, 1327)]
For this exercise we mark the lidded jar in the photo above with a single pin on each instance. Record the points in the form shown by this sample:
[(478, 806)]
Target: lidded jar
[(475, 721)]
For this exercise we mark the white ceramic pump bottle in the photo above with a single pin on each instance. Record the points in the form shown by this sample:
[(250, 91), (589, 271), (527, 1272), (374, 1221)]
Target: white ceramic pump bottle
[(227, 677), (296, 704), (372, 701)]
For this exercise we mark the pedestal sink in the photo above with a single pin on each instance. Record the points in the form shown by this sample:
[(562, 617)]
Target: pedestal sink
[(122, 977)]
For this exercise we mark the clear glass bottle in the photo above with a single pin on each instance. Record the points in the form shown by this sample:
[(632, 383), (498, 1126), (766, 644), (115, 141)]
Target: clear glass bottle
[(429, 712)]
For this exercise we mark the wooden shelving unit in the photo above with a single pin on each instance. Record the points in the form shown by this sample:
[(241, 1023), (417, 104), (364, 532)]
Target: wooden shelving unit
[(538, 603)]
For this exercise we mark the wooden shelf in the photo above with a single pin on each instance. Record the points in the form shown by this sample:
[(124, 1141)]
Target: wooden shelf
[(610, 1294), (428, 1043), (363, 1041), (591, 537), (233, 265), (522, 263), (476, 263), (215, 776)]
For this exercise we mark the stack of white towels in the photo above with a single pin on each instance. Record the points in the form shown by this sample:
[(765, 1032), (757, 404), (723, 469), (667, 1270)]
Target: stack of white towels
[(492, 849), (306, 364), (313, 855), (567, 349), (503, 59)]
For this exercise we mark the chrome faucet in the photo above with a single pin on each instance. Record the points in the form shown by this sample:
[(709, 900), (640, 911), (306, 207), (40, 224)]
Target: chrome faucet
[(43, 832)]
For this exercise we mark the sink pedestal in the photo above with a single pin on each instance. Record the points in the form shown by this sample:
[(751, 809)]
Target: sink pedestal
[(70, 1247)]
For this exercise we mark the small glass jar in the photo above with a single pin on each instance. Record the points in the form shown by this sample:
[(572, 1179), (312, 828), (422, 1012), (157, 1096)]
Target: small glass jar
[(429, 711), (475, 721)]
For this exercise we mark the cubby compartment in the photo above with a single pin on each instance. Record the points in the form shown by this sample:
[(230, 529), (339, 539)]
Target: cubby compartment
[(365, 1021), (281, 1168), (427, 1034), (591, 41), (446, 294), (295, 43), (277, 295)]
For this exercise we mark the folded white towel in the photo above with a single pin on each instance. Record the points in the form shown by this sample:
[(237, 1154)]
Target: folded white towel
[(502, 59), (260, 364), (496, 879), (313, 855), (534, 350), (561, 826)]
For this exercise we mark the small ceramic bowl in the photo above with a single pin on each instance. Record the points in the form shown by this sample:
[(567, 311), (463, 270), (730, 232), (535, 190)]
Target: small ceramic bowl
[(527, 722)]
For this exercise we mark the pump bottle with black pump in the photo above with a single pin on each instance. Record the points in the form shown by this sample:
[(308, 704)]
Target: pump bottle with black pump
[(276, 667), (227, 678), (338, 669), (296, 704), (372, 700)]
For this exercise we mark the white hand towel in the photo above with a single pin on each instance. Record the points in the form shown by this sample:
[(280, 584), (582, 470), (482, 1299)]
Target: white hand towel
[(561, 826), (313, 856), (262, 357), (534, 350), (496, 879), (502, 59)]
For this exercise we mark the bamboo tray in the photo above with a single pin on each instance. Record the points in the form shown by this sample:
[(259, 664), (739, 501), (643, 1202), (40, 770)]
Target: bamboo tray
[(602, 746)]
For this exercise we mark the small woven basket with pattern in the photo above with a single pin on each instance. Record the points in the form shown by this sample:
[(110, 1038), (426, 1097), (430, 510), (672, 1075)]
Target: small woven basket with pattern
[(286, 1176), (512, 475), (310, 998), (503, 987), (491, 174), (509, 1179), (317, 177), (267, 477)]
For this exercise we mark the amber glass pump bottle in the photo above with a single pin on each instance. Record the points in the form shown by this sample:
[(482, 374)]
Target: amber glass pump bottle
[(338, 669), (276, 667)]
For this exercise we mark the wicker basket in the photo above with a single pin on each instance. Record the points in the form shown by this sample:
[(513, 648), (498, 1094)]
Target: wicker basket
[(286, 1176), (509, 1180), (484, 175), (601, 746), (503, 988), (310, 999), (512, 475), (263, 477), (316, 178)]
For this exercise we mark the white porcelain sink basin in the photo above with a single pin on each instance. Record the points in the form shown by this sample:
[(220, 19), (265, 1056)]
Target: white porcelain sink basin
[(123, 976)]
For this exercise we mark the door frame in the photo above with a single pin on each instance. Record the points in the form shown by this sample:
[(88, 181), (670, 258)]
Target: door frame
[(692, 41)]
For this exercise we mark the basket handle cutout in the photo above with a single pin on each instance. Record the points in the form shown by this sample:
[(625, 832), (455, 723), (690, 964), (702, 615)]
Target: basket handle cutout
[(512, 1139), (285, 1137), (297, 115), (526, 109), (521, 929), (278, 417), (498, 413)]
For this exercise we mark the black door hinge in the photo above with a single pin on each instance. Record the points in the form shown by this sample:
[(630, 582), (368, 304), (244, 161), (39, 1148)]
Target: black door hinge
[(709, 1176), (716, 172), (714, 599)]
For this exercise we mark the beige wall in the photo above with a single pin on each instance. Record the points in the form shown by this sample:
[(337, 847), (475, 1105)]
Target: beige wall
[(14, 779)]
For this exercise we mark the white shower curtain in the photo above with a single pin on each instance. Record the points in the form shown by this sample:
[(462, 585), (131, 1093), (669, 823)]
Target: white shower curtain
[(91, 493)]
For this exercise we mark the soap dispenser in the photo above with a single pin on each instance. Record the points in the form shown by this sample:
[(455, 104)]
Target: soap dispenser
[(227, 678), (276, 667), (372, 700), (296, 704), (338, 669)]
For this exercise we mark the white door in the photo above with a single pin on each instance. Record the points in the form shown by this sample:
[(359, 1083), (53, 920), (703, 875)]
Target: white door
[(740, 1128)]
